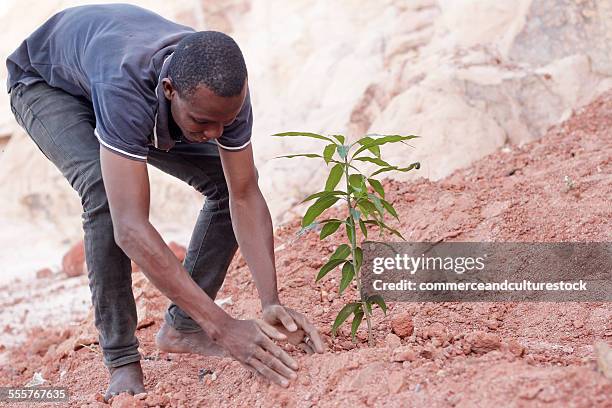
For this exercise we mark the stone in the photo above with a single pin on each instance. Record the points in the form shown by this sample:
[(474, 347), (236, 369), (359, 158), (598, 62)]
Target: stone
[(402, 325), (44, 273), (404, 353), (395, 382), (603, 355), (392, 341), (481, 342), (515, 348), (125, 400), (73, 262)]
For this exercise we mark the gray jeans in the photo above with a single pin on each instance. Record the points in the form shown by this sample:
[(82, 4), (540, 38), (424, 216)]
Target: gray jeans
[(62, 126)]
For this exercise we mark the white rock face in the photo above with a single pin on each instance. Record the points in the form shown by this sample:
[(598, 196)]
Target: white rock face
[(468, 76)]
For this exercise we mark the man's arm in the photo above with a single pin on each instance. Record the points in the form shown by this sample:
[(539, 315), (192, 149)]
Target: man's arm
[(253, 229), (127, 188), (251, 221)]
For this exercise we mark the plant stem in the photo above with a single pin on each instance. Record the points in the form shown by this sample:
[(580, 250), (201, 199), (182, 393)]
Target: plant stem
[(353, 246)]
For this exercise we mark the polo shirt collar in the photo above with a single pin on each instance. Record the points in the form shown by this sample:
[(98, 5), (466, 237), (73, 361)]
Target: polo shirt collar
[(162, 137)]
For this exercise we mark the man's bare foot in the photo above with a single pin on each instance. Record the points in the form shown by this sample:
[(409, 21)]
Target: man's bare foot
[(127, 378), (170, 340)]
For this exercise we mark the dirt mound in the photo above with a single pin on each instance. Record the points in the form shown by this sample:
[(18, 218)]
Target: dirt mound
[(443, 354)]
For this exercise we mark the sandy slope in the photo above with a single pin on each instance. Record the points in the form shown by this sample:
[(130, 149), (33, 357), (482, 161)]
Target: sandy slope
[(460, 354)]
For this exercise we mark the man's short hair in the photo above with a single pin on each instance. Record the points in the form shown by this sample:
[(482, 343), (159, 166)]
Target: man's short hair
[(208, 58)]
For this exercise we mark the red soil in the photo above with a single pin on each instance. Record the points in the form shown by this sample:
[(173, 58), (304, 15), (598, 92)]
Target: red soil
[(444, 354)]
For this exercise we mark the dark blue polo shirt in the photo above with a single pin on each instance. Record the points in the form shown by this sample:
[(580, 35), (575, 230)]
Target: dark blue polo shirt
[(115, 55)]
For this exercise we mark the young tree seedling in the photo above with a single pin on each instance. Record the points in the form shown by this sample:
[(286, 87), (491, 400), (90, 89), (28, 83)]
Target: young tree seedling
[(362, 208)]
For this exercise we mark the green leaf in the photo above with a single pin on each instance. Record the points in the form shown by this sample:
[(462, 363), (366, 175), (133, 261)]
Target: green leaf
[(366, 207), (329, 229), (358, 258), (415, 165), (348, 273), (369, 307), (377, 204), (384, 226), (323, 194), (373, 149), (305, 229), (339, 138), (288, 156), (330, 220), (317, 208), (355, 213), (341, 252), (334, 177), (356, 322), (356, 181), (363, 228), (328, 152), (377, 299), (390, 208), (343, 151), (344, 313), (374, 160), (381, 141), (377, 186), (349, 230), (393, 231), (330, 265), (305, 134)]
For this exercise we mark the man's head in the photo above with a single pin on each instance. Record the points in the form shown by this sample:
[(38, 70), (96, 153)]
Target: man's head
[(206, 84)]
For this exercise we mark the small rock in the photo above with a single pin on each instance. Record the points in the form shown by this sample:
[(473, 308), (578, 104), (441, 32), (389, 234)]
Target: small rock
[(578, 324), (125, 400), (603, 354), (179, 396), (492, 324), (395, 381), (404, 353), (154, 400), (44, 273), (482, 342), (97, 397), (402, 325), (392, 341), (437, 331), (515, 348), (74, 260)]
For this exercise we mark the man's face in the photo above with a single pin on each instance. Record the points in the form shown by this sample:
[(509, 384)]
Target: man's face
[(201, 116)]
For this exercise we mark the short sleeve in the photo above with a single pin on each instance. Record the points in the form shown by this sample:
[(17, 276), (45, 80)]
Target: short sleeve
[(124, 120), (237, 136)]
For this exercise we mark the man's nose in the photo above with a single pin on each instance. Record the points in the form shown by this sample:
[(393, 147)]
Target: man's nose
[(213, 131)]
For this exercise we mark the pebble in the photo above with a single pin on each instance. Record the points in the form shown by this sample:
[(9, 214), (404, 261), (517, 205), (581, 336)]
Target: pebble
[(402, 324), (125, 400), (395, 381), (404, 353), (481, 342), (392, 341)]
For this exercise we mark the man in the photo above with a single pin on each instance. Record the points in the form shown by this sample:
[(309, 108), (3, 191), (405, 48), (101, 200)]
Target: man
[(104, 89)]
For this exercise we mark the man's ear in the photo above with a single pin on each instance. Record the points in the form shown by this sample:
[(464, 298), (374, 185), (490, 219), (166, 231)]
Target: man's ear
[(168, 88)]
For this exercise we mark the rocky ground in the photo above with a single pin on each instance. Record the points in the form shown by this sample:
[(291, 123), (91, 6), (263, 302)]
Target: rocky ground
[(426, 354)]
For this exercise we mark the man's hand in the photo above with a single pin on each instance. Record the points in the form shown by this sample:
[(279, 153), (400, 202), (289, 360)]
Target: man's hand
[(297, 323), (250, 342)]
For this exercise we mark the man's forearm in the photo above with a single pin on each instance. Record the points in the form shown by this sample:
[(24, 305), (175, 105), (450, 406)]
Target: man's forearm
[(253, 229), (144, 245)]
